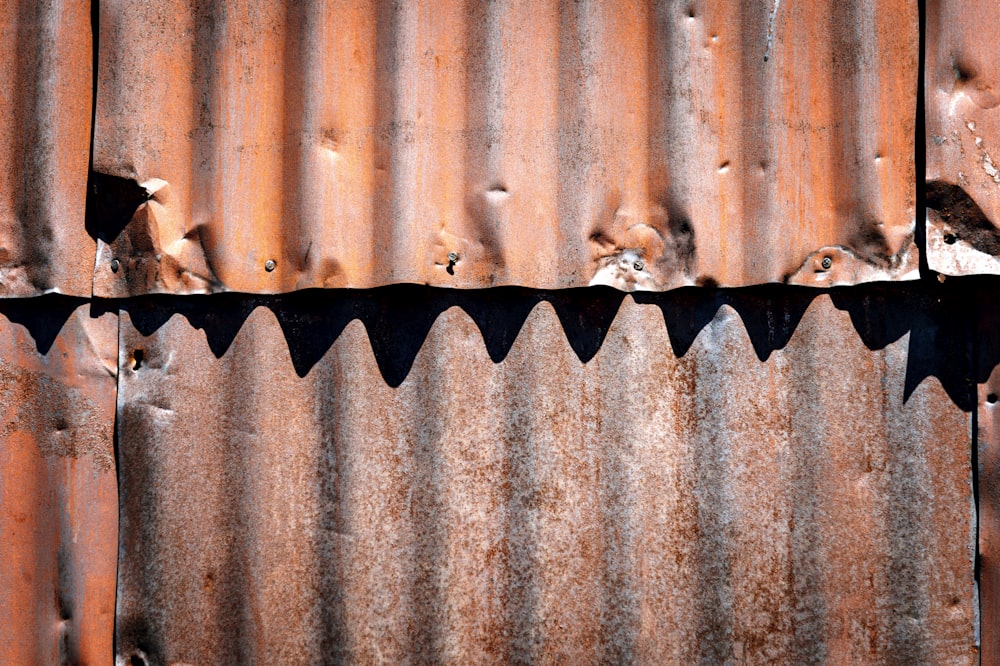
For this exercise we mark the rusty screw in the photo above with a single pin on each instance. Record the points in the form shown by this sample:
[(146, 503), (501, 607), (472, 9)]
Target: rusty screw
[(639, 265), (115, 264), (826, 263), (269, 265)]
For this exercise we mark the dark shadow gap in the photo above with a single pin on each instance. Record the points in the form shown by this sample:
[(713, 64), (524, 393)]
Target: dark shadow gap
[(939, 319), (42, 316)]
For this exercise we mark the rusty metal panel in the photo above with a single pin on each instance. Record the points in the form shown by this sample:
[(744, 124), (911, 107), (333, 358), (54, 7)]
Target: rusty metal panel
[(273, 146), (698, 477), (963, 136), (45, 122), (989, 516), (58, 493), (988, 440)]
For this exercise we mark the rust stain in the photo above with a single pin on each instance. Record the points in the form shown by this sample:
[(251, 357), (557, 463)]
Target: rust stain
[(545, 144), (58, 492), (507, 502), (45, 122), (562, 476)]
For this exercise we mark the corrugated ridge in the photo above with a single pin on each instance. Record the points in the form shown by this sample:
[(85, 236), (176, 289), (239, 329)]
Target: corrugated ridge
[(637, 507), (45, 123), (544, 145), (58, 492)]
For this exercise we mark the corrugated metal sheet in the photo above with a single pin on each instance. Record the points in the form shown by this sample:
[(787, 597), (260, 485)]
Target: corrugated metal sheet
[(750, 476), (544, 144), (963, 136), (989, 516), (45, 121), (434, 483), (988, 431), (58, 496)]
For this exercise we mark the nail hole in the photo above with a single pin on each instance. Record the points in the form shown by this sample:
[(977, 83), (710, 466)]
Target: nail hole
[(137, 357), (137, 660), (950, 239), (992, 398), (115, 264)]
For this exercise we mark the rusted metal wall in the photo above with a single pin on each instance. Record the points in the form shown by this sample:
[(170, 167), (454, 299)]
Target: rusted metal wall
[(963, 136), (544, 144), (299, 494), (46, 84), (58, 496), (775, 475)]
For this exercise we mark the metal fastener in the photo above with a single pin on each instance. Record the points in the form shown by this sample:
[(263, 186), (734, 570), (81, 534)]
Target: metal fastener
[(269, 265), (453, 257), (115, 264), (639, 265), (826, 263)]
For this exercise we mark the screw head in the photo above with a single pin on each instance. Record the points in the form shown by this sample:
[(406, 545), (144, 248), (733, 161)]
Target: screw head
[(453, 257), (115, 265), (826, 263), (269, 265), (639, 265)]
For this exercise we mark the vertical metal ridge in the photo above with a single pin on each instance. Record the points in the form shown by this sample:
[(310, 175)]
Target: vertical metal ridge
[(58, 498), (540, 145), (638, 506)]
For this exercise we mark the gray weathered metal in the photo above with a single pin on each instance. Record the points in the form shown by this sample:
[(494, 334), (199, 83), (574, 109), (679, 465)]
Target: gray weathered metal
[(298, 494)]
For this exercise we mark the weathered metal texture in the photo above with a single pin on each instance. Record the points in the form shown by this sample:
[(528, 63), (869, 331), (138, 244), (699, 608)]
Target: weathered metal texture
[(544, 144), (58, 494), (989, 517), (963, 136), (988, 431), (45, 121), (298, 494)]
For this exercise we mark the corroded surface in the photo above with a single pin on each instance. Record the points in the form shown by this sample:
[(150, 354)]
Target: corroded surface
[(343, 477), (58, 497), (963, 136), (46, 79), (545, 144)]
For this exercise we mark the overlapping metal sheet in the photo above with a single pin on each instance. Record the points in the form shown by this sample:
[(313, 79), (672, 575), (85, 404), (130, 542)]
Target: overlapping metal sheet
[(963, 136), (410, 473), (543, 144), (45, 120), (356, 477), (988, 441), (58, 492)]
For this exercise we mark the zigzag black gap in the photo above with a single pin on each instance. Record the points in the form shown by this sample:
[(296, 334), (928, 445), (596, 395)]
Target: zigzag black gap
[(944, 321)]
